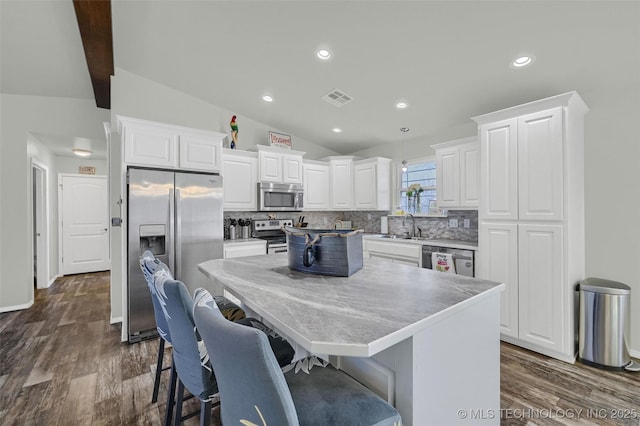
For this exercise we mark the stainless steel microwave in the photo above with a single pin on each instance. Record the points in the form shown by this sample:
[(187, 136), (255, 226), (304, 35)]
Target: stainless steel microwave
[(279, 197)]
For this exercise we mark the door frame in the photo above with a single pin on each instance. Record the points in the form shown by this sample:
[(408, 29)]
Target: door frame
[(43, 256)]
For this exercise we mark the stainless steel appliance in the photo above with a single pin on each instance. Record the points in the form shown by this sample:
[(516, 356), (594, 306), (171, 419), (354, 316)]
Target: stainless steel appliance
[(271, 230), (178, 217), (278, 197), (462, 259)]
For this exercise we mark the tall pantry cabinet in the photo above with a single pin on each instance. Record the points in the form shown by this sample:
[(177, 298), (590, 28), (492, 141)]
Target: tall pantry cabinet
[(531, 219)]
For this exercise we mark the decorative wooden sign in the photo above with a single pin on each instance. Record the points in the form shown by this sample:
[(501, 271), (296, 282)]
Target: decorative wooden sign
[(279, 140), (87, 170)]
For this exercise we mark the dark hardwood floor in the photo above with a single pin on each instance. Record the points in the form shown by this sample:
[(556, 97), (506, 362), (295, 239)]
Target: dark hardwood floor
[(61, 362)]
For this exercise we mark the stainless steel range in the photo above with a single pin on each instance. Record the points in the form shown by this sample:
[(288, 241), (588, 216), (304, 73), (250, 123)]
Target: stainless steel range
[(271, 230)]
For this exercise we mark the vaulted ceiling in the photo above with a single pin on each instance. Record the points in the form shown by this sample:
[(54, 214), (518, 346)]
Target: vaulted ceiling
[(449, 60)]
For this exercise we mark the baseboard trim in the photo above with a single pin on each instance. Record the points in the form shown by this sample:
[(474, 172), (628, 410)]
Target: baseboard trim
[(53, 280), (540, 350), (115, 320), (16, 307)]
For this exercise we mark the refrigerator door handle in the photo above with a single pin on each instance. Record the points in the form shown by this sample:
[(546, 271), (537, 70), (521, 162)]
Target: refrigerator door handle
[(171, 233), (178, 235)]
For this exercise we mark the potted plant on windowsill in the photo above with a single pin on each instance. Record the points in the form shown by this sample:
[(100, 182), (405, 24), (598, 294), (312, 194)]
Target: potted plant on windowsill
[(413, 198)]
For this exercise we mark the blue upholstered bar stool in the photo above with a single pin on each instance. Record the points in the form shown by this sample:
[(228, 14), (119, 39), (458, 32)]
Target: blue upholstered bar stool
[(253, 389), (149, 264), (189, 354)]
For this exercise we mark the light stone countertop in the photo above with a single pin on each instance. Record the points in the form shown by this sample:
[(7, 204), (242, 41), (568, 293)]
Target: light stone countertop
[(377, 307)]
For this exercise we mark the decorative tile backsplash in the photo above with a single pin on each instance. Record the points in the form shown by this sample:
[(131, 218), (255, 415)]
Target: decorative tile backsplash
[(369, 221)]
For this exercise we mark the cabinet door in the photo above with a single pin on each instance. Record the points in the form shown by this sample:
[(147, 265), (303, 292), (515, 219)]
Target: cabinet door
[(316, 187), (341, 184), (270, 167), (499, 170), (469, 175), (365, 188), (150, 146), (498, 255), (540, 162), (240, 178), (448, 177), (200, 153), (291, 169), (540, 260)]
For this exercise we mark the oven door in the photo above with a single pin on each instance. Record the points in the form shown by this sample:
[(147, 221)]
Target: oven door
[(276, 248)]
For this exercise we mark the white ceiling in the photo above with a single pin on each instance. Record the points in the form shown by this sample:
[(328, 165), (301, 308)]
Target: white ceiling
[(448, 59)]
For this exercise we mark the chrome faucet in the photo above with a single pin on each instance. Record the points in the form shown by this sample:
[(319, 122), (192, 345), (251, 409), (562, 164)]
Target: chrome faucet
[(413, 225)]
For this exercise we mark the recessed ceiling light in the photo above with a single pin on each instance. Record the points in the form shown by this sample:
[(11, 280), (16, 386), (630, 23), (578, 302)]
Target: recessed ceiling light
[(323, 54), (337, 130), (267, 98), (402, 105), (522, 61)]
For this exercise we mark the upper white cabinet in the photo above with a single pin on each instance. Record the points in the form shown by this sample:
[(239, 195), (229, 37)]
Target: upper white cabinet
[(278, 165), (372, 184), (524, 166), (147, 143), (341, 172), (240, 178), (531, 230), (317, 183), (457, 172)]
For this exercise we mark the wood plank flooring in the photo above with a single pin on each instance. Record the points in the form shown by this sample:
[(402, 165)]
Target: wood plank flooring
[(62, 363)]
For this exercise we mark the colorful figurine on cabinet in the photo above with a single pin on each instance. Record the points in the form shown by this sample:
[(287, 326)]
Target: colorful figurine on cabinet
[(234, 132)]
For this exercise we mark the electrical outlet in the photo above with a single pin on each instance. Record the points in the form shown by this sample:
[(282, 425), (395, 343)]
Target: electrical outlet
[(453, 223), (368, 216), (467, 223)]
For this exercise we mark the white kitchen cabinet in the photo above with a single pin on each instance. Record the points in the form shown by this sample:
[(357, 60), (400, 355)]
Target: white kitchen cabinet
[(372, 184), (499, 260), (240, 179), (409, 254), (244, 248), (341, 173), (531, 213), (457, 173), (316, 182), (278, 165), (540, 263), (200, 152), (147, 143)]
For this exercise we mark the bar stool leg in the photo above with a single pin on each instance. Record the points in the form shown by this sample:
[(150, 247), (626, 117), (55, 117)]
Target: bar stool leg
[(156, 383)]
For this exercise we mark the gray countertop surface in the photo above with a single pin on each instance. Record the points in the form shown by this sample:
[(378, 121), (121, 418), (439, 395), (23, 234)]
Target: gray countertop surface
[(378, 306)]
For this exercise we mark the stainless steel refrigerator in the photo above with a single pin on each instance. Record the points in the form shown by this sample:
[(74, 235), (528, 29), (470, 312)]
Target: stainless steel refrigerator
[(178, 217)]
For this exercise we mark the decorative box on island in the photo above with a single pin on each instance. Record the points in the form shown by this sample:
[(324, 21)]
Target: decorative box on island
[(325, 252)]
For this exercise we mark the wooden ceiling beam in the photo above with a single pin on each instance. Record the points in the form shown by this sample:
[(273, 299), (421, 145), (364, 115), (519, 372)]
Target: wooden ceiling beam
[(94, 22)]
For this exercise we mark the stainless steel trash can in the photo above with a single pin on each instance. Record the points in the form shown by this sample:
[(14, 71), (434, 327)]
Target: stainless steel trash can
[(604, 323)]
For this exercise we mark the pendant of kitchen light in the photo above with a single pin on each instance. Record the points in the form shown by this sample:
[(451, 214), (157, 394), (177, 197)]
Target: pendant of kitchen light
[(404, 131)]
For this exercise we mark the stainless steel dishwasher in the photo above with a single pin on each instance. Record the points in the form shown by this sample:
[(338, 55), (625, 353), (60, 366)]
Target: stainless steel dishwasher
[(463, 259)]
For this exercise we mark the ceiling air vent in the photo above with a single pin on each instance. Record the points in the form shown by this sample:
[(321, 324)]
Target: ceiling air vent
[(337, 98)]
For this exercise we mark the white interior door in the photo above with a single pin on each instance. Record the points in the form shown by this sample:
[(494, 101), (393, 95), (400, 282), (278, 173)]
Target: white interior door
[(84, 224)]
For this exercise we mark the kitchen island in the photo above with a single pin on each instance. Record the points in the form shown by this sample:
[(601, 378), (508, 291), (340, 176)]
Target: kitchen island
[(437, 334)]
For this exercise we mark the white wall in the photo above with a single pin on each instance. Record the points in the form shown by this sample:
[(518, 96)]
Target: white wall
[(612, 201), (21, 115)]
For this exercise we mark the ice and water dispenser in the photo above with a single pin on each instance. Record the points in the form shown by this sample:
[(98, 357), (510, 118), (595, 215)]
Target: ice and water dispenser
[(154, 239)]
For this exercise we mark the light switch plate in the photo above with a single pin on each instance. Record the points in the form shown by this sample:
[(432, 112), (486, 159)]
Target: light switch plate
[(453, 223)]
